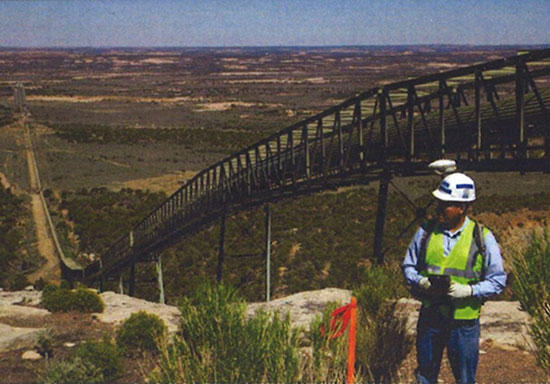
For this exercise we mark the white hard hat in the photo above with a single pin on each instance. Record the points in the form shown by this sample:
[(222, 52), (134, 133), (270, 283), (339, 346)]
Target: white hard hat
[(456, 187)]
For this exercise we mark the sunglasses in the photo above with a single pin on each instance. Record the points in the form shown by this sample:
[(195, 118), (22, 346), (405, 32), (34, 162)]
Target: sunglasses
[(446, 204)]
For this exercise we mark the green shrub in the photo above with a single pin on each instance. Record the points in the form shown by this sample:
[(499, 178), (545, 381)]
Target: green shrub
[(45, 342), (382, 341), (379, 286), (39, 284), (532, 288), (328, 362), (141, 332), (72, 371), (49, 287), (58, 299), (19, 282), (382, 344), (103, 355), (217, 343), (86, 300)]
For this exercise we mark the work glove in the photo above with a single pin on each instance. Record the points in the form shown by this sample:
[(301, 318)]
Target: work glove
[(424, 283), (460, 291)]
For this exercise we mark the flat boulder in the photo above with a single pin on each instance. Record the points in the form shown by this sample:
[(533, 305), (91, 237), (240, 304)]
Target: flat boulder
[(21, 312), (20, 297), (304, 306), (16, 338), (120, 307)]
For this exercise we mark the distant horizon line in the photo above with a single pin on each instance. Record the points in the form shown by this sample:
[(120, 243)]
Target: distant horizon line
[(428, 45)]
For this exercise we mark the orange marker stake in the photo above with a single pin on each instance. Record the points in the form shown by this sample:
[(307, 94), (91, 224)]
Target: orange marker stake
[(341, 318), (351, 350)]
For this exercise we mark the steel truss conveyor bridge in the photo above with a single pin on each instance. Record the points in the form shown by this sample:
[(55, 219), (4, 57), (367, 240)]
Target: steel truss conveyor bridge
[(491, 116)]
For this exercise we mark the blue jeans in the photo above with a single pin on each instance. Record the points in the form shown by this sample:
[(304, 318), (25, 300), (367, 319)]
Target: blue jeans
[(461, 338)]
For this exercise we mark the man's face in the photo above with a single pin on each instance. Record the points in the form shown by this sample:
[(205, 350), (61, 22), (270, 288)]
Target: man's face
[(450, 213)]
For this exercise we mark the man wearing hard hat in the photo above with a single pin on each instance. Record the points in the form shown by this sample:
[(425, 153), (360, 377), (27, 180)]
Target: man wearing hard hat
[(452, 265)]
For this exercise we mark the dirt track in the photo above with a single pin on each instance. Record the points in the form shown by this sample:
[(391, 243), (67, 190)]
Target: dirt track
[(51, 270)]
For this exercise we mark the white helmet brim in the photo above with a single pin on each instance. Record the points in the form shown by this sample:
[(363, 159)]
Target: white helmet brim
[(446, 197)]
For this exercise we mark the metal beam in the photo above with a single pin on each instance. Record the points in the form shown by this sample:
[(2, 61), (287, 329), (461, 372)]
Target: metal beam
[(158, 266), (267, 252), (478, 112), (410, 121), (221, 254), (442, 88), (383, 192), (383, 121), (520, 110), (132, 280)]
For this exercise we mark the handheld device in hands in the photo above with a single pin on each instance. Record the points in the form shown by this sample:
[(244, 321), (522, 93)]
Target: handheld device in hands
[(440, 284)]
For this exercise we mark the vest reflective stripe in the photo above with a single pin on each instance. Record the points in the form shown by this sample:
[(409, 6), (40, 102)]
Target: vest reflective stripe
[(434, 269), (461, 273), (463, 264)]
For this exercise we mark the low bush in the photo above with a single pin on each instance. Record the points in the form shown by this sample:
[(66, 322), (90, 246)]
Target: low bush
[(58, 299), (217, 343), (382, 341), (104, 355), (328, 361), (39, 284), (19, 282), (86, 300), (382, 344), (49, 287), (532, 288), (379, 285), (142, 331), (72, 371), (45, 342)]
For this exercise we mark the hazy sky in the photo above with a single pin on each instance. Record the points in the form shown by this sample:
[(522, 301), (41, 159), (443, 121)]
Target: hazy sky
[(101, 23)]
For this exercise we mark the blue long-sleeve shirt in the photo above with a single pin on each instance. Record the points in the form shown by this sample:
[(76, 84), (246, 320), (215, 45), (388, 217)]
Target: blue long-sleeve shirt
[(495, 277)]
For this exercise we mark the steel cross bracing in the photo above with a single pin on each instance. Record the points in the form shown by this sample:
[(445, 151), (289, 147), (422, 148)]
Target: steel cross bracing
[(489, 116)]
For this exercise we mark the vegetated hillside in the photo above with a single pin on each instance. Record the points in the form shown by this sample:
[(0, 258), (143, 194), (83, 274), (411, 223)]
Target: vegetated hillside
[(322, 240), (17, 257), (91, 220), (6, 115)]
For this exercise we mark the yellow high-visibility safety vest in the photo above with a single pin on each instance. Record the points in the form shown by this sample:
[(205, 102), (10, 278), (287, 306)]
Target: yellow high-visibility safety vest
[(464, 265)]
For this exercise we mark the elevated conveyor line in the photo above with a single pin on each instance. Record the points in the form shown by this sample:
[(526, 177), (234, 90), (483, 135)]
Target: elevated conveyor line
[(472, 114)]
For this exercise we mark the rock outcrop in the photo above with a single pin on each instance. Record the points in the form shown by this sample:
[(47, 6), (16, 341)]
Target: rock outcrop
[(15, 337), (502, 322), (120, 307), (304, 306)]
